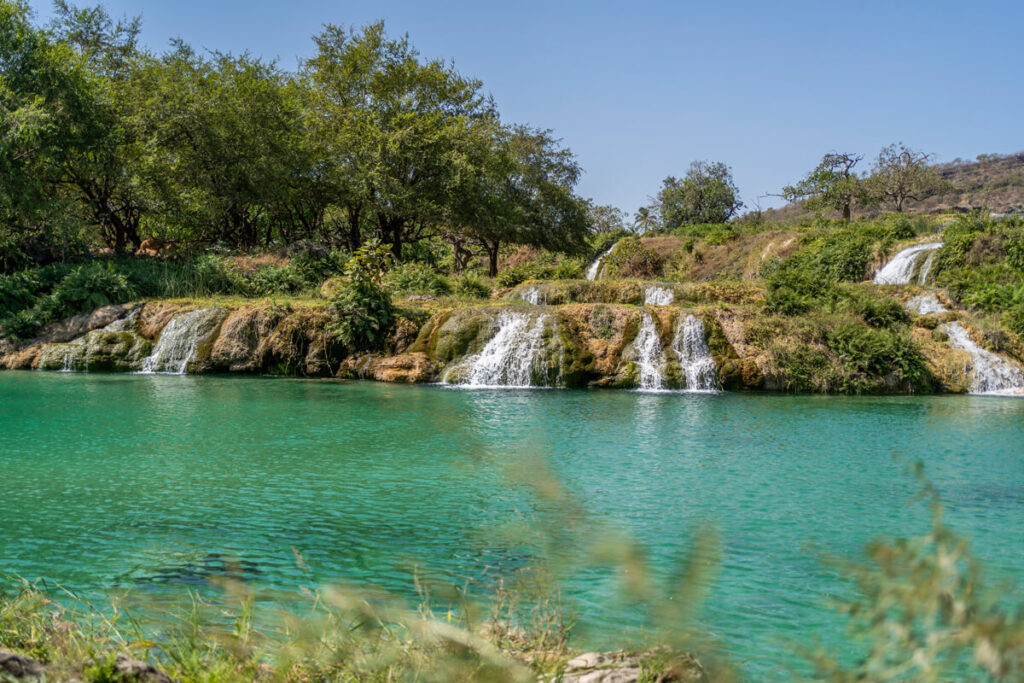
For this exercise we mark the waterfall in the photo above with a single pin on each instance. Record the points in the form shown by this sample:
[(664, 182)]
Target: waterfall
[(533, 295), (516, 356), (925, 304), (691, 345), (180, 341), (658, 296), (910, 264), (594, 271), (650, 358), (989, 373)]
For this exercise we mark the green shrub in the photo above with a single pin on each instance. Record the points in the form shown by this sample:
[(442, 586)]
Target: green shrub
[(471, 286), (362, 315), (631, 259), (216, 275), (416, 278), (877, 310), (277, 280), (878, 352)]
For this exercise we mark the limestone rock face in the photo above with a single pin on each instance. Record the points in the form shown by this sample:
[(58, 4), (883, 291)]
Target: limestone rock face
[(98, 351), (132, 670), (237, 347), (406, 368), (66, 330), (301, 344), (155, 316), (22, 359)]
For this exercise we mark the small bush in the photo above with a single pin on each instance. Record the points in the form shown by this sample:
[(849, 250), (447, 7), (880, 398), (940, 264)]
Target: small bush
[(277, 280), (416, 278), (471, 286)]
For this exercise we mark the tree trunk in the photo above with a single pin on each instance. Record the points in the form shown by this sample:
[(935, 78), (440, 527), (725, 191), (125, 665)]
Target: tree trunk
[(846, 212), (492, 258)]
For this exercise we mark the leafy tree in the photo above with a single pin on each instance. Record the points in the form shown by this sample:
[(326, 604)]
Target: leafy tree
[(605, 218), (646, 218), (901, 173), (402, 126), (520, 191), (832, 185), (706, 195)]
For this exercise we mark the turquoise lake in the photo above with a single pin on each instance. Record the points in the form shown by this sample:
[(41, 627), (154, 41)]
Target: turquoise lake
[(156, 482)]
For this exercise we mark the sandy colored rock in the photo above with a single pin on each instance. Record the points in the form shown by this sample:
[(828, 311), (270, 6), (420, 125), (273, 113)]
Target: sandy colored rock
[(406, 368), (301, 344), (154, 316), (236, 348), (22, 359)]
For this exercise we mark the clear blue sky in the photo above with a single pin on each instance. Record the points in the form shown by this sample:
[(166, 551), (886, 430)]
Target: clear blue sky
[(640, 89)]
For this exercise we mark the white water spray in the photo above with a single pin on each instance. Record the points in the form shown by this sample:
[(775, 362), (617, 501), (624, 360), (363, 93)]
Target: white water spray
[(650, 358), (988, 373), (913, 263), (691, 346), (658, 296), (594, 271), (925, 304), (180, 341), (533, 295), (514, 357)]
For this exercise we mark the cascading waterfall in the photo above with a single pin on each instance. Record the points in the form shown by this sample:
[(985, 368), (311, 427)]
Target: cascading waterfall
[(925, 304), (650, 357), (594, 271), (911, 264), (691, 346), (533, 295), (658, 296), (516, 356), (180, 340), (989, 373)]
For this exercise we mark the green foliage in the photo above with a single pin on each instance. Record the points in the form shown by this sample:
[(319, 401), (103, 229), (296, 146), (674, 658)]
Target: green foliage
[(361, 308), (926, 614), (630, 259), (274, 280), (32, 299), (707, 194), (832, 185), (471, 286), (416, 278)]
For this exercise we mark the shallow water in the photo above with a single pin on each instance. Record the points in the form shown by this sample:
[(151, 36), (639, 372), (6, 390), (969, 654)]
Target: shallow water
[(159, 482)]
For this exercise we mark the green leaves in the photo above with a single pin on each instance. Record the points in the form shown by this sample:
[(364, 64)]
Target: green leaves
[(706, 195)]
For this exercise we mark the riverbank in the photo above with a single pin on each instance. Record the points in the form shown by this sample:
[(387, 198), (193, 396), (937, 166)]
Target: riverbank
[(626, 334)]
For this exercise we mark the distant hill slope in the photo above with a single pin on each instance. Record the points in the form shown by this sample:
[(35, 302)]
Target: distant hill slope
[(993, 182)]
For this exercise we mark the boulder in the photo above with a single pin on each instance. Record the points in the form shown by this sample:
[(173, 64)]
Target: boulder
[(406, 368), (129, 670), (19, 667)]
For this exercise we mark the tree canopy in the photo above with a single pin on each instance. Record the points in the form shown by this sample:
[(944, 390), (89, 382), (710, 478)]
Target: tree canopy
[(105, 143), (707, 194)]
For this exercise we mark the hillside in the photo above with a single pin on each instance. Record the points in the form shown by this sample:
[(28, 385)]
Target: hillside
[(993, 182)]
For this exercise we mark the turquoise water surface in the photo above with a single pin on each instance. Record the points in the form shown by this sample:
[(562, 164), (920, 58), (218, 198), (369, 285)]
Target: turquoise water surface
[(157, 482)]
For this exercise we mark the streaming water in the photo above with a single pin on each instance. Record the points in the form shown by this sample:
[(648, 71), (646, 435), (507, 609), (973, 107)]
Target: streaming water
[(989, 373), (650, 357), (691, 346), (180, 341), (516, 356), (658, 296), (910, 265), (594, 271)]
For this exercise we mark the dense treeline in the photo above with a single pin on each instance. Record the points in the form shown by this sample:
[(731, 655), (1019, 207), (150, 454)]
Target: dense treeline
[(105, 143)]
